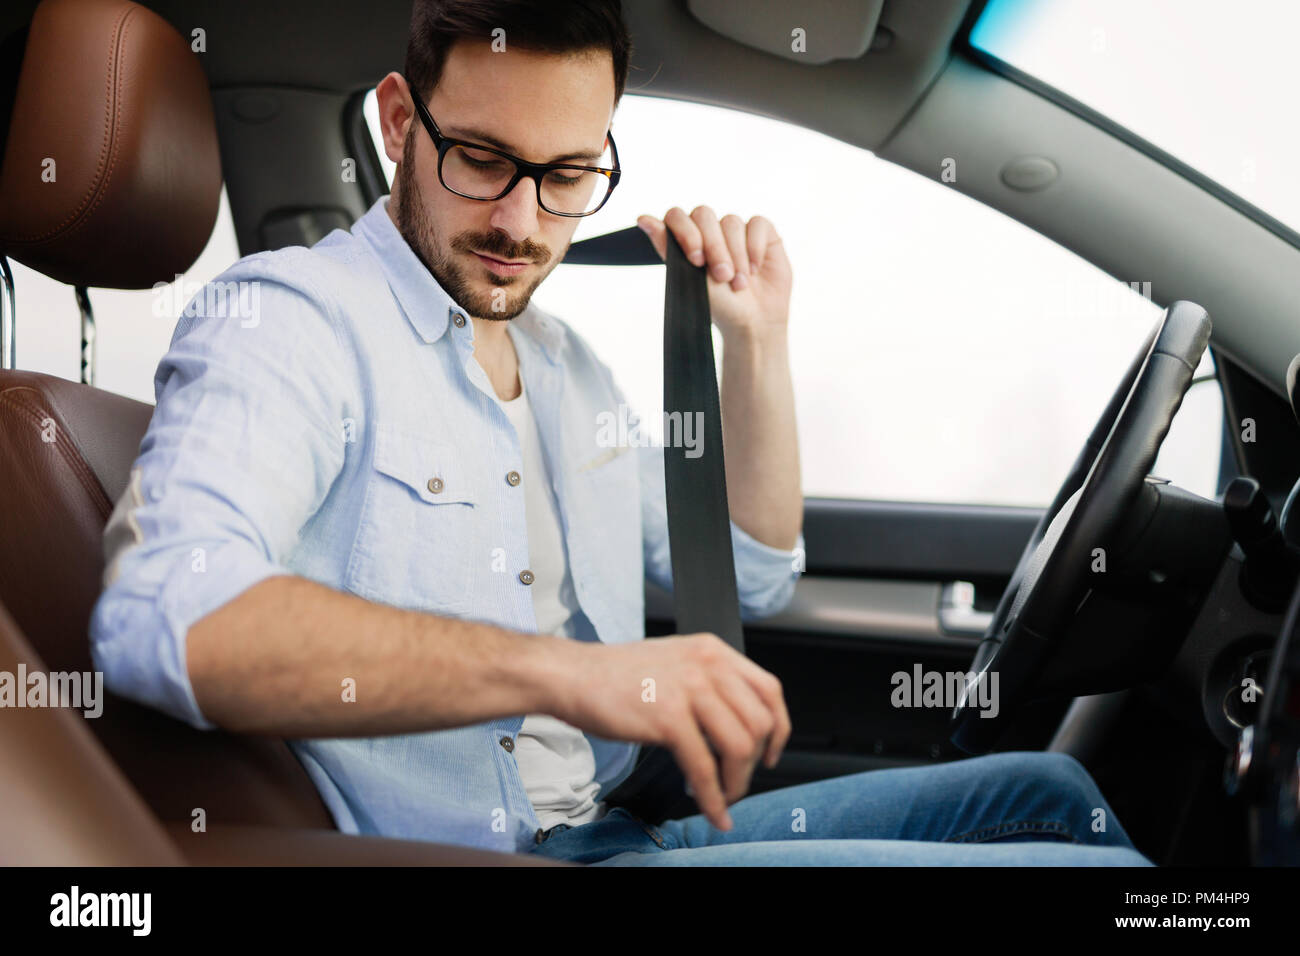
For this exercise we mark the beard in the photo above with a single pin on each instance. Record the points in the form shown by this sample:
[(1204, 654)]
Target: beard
[(509, 296)]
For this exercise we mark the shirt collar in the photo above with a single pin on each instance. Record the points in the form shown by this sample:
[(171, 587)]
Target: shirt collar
[(543, 329), (426, 304)]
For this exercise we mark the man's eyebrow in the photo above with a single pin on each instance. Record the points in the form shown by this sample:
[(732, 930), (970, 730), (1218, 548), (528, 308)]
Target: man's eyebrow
[(468, 132)]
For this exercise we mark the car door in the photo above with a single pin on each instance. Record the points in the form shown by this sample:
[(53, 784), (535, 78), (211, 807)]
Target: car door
[(936, 418)]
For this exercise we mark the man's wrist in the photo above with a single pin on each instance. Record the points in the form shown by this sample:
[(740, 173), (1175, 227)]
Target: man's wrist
[(759, 352), (552, 670)]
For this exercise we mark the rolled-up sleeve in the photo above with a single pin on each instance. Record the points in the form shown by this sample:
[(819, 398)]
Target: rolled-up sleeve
[(243, 446), (765, 576)]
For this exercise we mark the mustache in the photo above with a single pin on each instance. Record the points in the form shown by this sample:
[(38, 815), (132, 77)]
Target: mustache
[(499, 247)]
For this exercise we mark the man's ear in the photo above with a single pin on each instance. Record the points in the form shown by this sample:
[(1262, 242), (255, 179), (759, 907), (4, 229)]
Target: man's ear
[(396, 111)]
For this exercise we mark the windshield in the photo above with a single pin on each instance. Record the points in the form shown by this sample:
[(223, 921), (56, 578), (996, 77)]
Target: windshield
[(1210, 83)]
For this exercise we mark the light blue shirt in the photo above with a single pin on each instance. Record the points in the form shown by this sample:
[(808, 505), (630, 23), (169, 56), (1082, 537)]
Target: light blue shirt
[(326, 418)]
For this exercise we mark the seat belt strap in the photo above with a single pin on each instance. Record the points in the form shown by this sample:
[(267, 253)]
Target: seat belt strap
[(705, 596), (695, 480)]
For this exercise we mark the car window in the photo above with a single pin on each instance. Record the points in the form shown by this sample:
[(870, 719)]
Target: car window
[(133, 327), (941, 351), (1207, 88)]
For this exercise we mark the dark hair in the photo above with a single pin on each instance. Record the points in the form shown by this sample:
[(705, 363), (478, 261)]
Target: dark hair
[(554, 26)]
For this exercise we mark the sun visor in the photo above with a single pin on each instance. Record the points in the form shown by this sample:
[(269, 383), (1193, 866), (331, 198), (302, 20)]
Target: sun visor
[(812, 31)]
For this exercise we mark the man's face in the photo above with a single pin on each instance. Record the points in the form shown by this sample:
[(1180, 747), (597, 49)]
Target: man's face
[(540, 107)]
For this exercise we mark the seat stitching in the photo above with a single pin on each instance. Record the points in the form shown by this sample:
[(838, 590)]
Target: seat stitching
[(76, 462)]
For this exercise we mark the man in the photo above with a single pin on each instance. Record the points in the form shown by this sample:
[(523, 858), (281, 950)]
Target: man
[(373, 513)]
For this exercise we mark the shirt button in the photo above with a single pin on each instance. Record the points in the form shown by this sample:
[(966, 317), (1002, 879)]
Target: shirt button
[(459, 320), (526, 576), (512, 478), (508, 744), (435, 485)]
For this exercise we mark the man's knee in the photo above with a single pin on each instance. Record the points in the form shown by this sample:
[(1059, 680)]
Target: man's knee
[(1058, 772)]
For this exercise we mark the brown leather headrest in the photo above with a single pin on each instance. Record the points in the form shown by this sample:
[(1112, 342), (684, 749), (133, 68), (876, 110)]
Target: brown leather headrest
[(111, 176)]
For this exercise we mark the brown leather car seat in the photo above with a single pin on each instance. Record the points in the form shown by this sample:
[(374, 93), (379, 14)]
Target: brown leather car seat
[(65, 803), (113, 94)]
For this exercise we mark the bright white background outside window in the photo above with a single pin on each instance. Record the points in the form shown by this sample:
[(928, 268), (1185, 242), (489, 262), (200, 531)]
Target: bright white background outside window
[(131, 338), (941, 351)]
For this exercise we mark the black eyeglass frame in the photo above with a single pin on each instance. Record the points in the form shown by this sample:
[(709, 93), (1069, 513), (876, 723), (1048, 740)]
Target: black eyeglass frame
[(533, 171)]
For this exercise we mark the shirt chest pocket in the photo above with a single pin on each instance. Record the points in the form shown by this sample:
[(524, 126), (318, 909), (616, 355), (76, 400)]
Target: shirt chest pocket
[(418, 541)]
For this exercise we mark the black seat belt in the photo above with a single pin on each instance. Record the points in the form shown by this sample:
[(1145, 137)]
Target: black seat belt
[(705, 597)]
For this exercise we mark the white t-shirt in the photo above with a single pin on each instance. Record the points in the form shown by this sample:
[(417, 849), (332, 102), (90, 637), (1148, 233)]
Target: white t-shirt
[(555, 760)]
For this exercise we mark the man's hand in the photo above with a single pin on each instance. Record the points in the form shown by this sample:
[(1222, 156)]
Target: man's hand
[(749, 274), (688, 693)]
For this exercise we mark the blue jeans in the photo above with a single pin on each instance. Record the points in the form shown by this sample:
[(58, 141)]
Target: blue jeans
[(1006, 809)]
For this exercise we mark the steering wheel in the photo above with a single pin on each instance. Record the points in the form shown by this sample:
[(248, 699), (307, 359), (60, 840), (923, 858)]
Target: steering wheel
[(1053, 575)]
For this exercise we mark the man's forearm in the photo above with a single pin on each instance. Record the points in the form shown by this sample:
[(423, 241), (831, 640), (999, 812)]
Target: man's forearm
[(286, 656), (758, 425)]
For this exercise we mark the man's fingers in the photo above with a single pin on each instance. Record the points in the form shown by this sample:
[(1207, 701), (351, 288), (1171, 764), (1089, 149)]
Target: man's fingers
[(733, 230), (769, 689), (758, 236), (658, 233), (716, 252), (683, 228), (730, 739), (732, 249), (701, 772), (687, 234), (753, 710)]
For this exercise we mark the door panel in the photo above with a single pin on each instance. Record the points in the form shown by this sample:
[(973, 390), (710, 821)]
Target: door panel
[(889, 588)]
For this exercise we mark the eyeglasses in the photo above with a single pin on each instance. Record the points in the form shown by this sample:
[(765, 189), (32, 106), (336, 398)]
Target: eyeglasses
[(480, 172)]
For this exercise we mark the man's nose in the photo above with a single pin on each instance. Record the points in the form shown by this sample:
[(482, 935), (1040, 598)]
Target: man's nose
[(515, 213)]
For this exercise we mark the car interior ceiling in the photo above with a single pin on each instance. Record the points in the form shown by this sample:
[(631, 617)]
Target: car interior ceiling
[(286, 79)]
